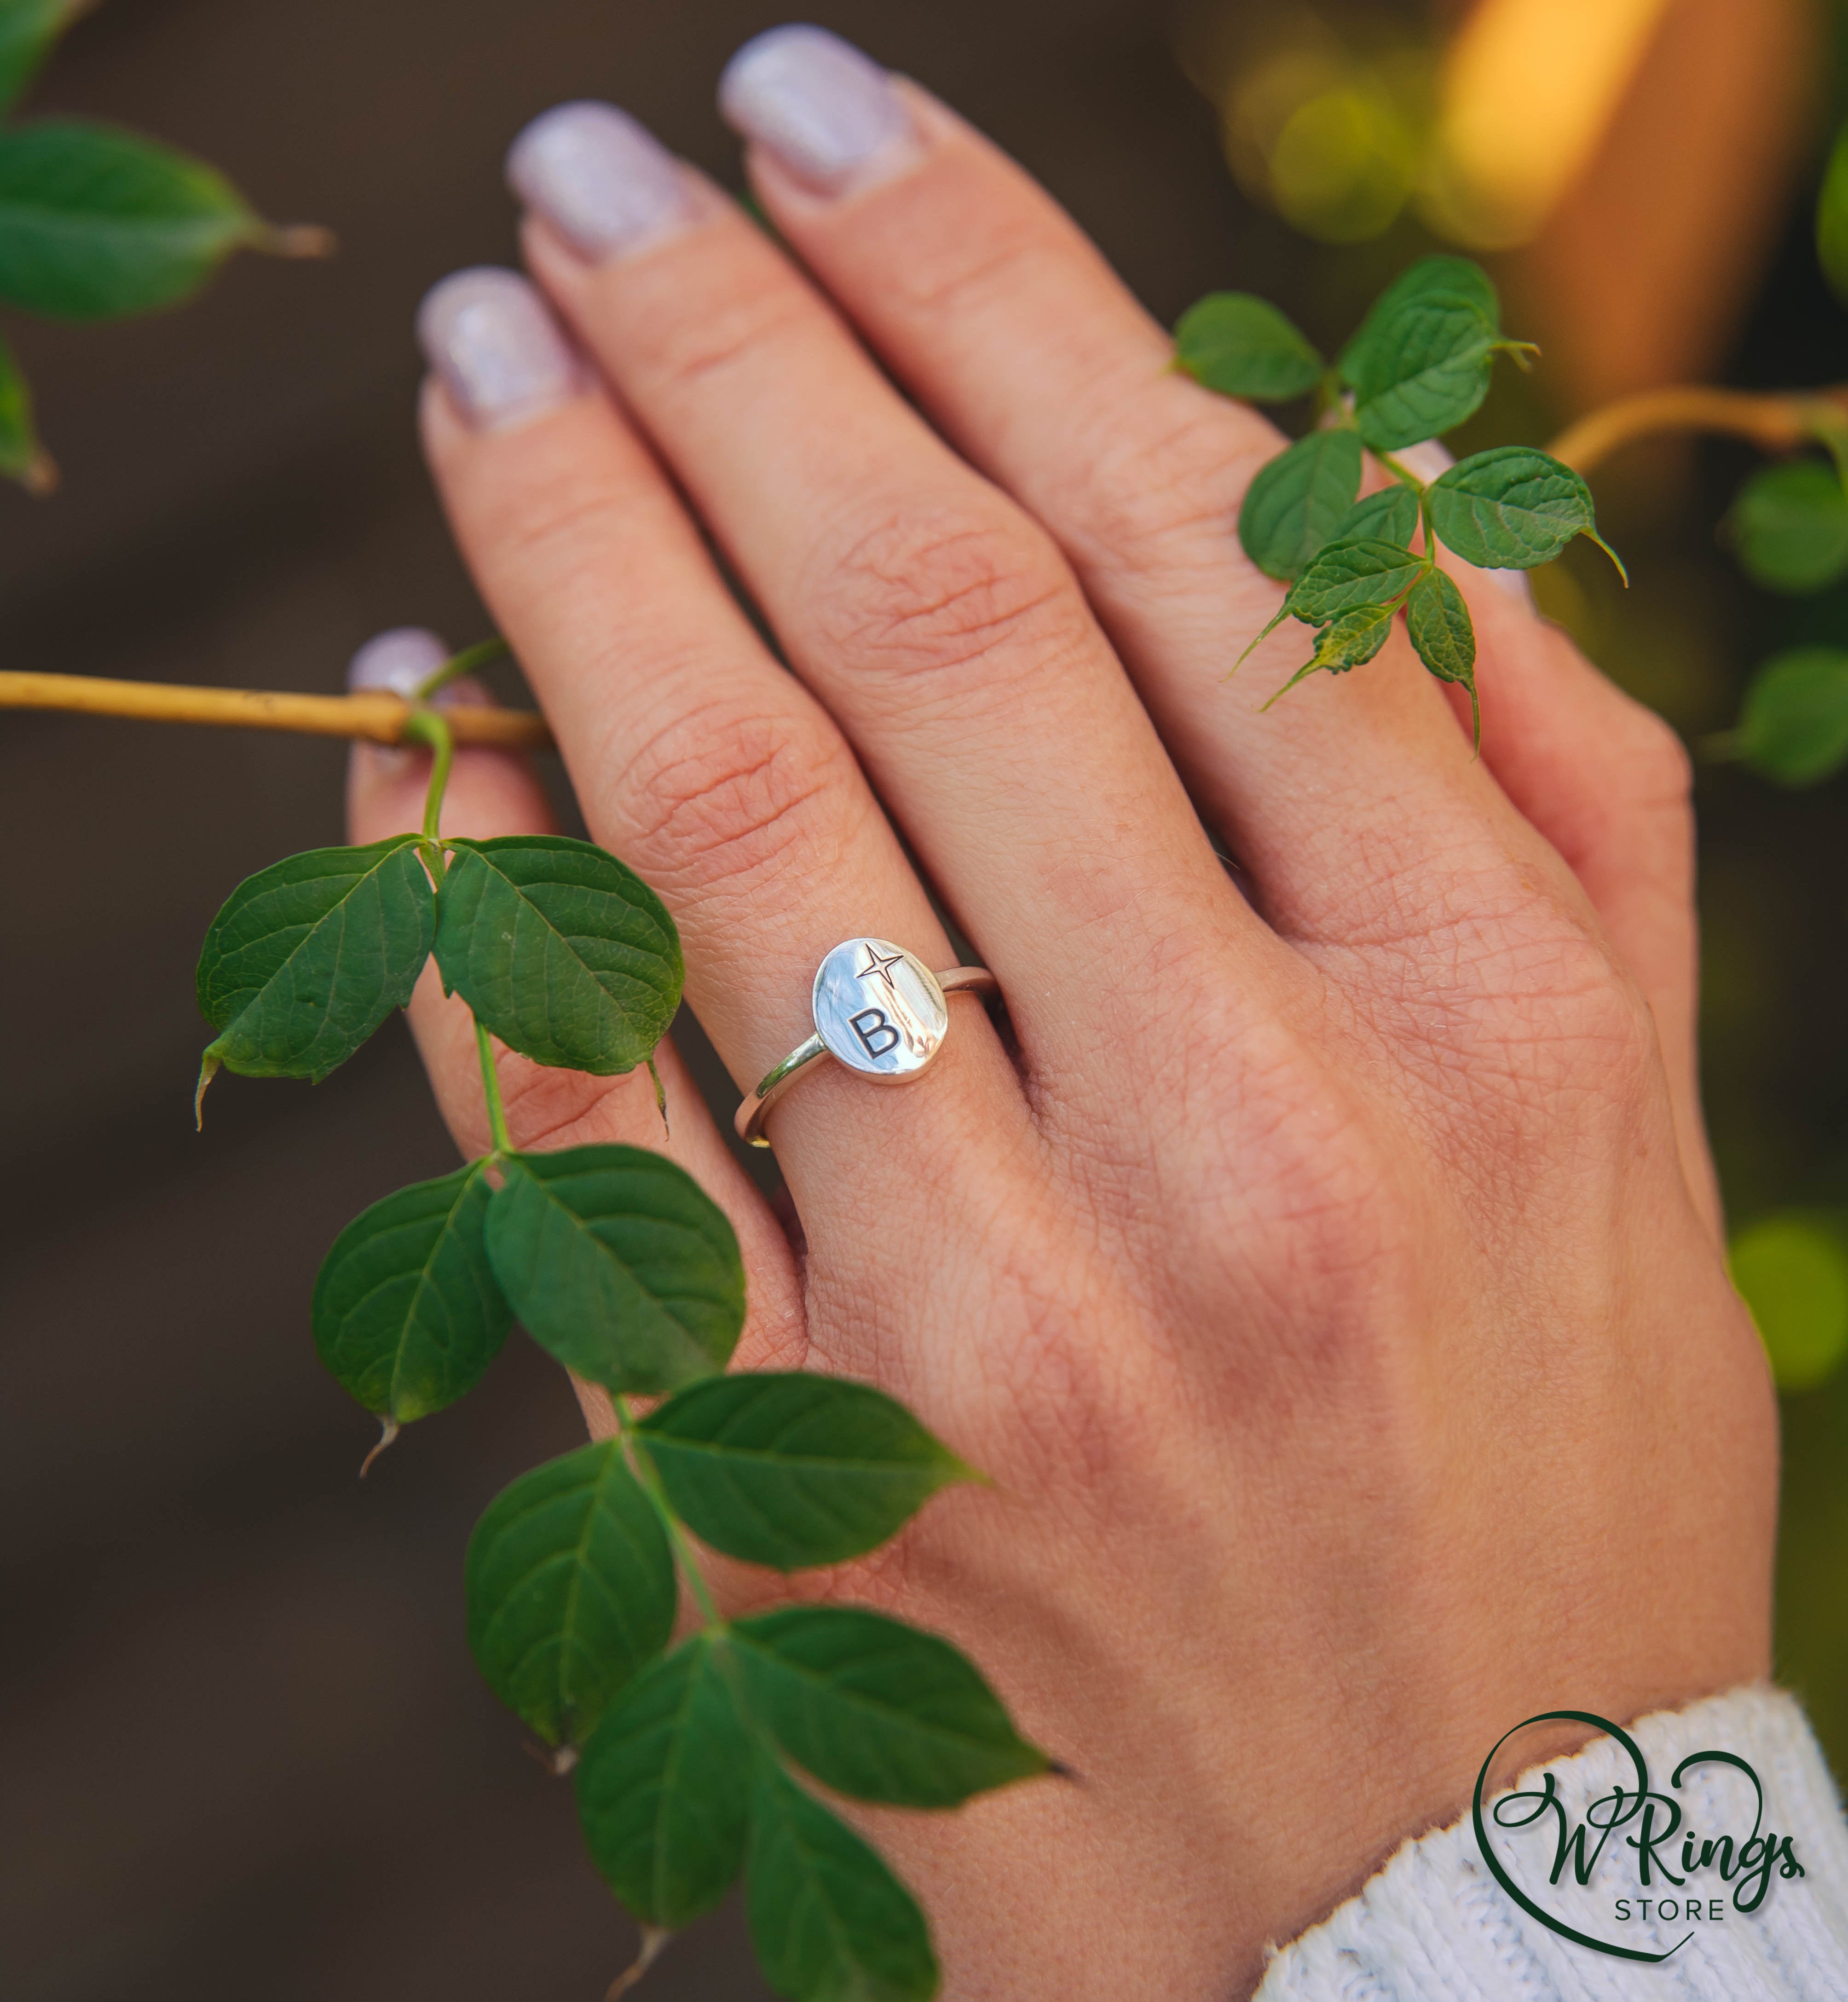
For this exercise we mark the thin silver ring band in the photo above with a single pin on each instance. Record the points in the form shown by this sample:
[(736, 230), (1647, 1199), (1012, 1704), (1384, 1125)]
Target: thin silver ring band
[(749, 1119)]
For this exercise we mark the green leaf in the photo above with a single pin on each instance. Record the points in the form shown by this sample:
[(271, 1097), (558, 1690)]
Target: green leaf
[(1789, 526), (22, 457), (1291, 507), (1424, 370), (406, 1313), (829, 1921), (1348, 575), (1243, 346), (877, 1709), (1443, 635), (308, 957), (620, 1264), (563, 953), (1794, 727), (1346, 642), (95, 222), (1456, 278), (570, 1589), (664, 1789), (1391, 516), (1511, 508), (28, 29), (1438, 621), (1354, 638), (793, 1469)]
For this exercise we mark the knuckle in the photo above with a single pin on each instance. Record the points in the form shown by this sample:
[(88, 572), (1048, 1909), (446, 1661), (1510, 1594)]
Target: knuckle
[(549, 1108), (936, 591), (1602, 1020), (1173, 485), (1566, 1038), (721, 795), (545, 1107)]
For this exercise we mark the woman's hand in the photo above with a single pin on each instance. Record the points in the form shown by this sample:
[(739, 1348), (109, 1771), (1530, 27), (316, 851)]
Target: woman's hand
[(1326, 1270)]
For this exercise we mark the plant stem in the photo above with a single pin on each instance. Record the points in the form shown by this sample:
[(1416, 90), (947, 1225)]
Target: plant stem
[(683, 1550), (459, 665), (1776, 423), (491, 1086), (427, 726), (381, 718)]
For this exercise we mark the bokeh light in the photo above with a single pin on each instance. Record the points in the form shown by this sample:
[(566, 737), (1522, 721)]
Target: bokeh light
[(1792, 1272)]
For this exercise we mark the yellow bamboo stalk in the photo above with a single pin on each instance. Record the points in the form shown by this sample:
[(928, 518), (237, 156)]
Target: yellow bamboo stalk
[(378, 717)]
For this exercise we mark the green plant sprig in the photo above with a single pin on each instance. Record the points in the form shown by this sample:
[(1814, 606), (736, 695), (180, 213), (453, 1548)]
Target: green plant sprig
[(685, 1758), (1420, 365), (96, 223)]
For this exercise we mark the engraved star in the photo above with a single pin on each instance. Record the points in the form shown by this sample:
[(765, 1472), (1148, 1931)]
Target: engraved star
[(882, 967)]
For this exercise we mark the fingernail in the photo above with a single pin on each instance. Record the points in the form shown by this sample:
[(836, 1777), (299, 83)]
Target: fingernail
[(397, 661), (489, 335), (828, 114), (605, 183), (401, 660)]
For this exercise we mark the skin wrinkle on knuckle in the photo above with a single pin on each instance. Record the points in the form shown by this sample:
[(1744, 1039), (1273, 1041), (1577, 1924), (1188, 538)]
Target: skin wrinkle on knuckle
[(1163, 495), (548, 1109), (721, 796), (932, 589)]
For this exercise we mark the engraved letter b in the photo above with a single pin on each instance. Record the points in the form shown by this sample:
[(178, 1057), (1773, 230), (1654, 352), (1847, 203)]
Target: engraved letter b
[(870, 1024)]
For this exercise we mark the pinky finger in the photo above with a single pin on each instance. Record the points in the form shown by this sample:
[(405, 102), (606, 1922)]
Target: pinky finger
[(493, 792)]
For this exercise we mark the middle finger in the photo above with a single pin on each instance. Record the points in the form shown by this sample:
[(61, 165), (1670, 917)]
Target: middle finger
[(941, 625)]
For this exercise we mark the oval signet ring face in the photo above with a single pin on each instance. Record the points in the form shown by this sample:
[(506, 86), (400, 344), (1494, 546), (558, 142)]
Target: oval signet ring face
[(879, 1010)]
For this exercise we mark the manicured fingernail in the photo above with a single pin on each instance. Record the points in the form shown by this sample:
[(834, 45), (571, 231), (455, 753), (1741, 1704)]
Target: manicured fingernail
[(489, 335), (401, 660), (606, 184), (397, 661), (827, 114)]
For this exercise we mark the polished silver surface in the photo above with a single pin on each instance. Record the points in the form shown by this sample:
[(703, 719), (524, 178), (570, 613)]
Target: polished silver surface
[(878, 1008)]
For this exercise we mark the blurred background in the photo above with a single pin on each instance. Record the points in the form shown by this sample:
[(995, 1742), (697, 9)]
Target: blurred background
[(242, 1749)]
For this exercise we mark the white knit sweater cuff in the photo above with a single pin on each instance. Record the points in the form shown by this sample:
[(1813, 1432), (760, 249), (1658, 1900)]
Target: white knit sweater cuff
[(1434, 1925)]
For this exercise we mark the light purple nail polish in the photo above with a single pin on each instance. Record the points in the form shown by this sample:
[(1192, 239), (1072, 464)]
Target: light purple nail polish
[(497, 348), (602, 181), (828, 114), (400, 661)]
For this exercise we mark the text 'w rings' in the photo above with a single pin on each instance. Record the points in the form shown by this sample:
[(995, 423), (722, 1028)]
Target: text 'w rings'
[(879, 1010)]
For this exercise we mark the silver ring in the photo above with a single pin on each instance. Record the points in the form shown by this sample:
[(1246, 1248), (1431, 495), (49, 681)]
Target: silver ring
[(878, 1008)]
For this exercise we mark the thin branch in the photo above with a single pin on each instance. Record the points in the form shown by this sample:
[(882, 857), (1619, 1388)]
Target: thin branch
[(380, 718), (1776, 423)]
